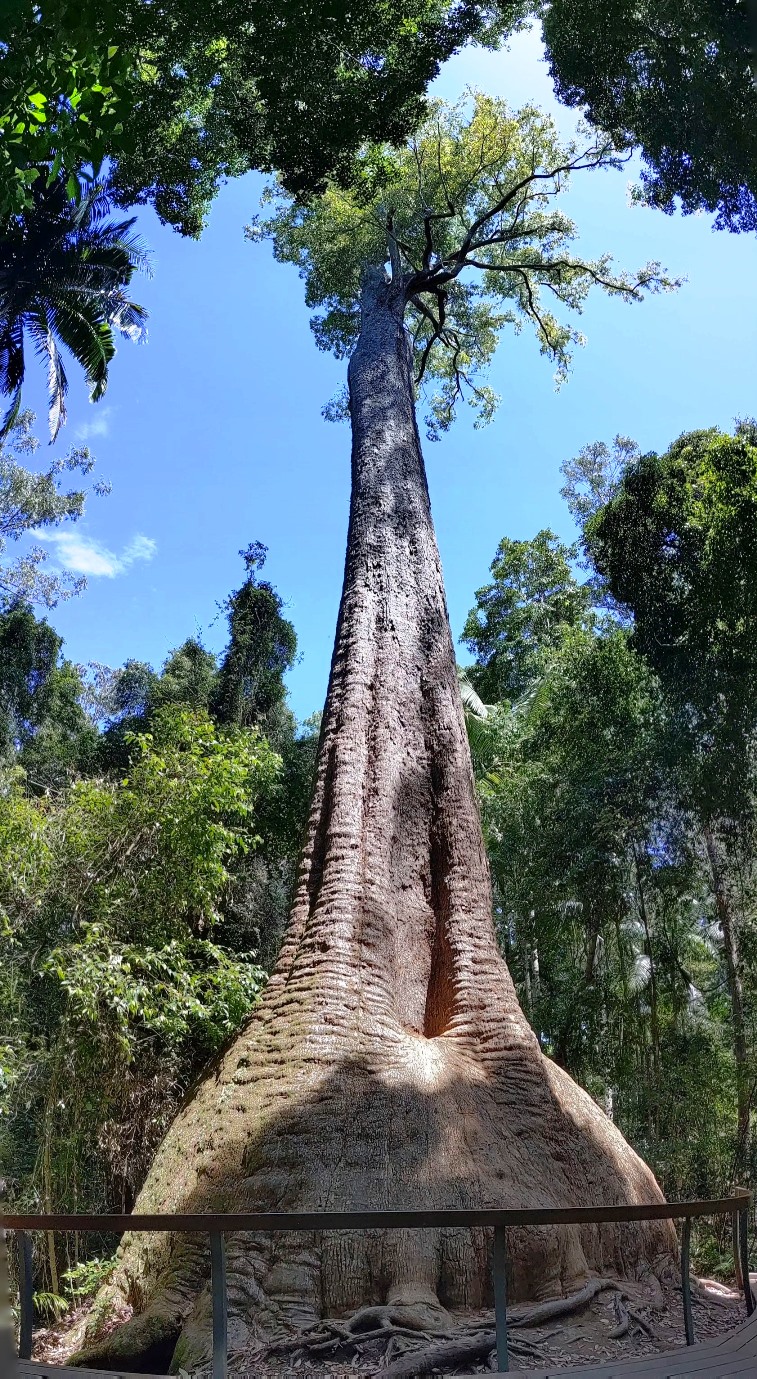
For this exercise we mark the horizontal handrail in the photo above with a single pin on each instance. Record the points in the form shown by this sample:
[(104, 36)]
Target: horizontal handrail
[(188, 1223), (219, 1225)]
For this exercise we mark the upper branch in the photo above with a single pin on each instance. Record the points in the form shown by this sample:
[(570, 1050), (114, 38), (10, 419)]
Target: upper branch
[(429, 278)]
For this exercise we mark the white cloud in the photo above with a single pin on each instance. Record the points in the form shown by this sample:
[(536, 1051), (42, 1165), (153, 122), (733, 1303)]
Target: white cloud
[(98, 426), (85, 556)]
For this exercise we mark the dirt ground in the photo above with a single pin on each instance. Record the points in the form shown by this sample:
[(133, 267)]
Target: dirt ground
[(582, 1337)]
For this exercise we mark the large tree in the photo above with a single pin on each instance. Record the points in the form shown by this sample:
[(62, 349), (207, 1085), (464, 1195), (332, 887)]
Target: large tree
[(389, 1064)]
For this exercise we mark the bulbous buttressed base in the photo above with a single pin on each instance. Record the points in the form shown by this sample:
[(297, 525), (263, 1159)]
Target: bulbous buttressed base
[(408, 1122)]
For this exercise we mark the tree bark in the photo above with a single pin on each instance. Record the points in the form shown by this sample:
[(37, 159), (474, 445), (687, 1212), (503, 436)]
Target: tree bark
[(728, 926), (389, 1064)]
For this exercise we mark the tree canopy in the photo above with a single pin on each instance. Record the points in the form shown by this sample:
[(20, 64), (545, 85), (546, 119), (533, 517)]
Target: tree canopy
[(532, 601), (676, 545), (676, 79), (178, 97), (475, 188)]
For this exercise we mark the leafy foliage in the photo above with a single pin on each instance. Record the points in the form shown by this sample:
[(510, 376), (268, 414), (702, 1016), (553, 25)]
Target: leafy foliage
[(604, 904), (262, 646), (525, 612), (111, 977), (180, 97), (143, 878), (677, 544), (466, 213), (617, 791), (43, 726), (675, 78), (64, 271), (29, 501)]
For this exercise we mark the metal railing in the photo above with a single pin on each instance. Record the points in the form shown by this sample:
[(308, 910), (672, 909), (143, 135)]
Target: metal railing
[(219, 1226)]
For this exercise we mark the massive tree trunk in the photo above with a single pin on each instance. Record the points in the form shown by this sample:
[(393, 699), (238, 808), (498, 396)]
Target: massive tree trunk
[(389, 1064)]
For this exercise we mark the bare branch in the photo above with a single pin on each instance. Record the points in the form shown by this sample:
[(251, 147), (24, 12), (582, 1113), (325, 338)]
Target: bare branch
[(457, 261), (535, 314)]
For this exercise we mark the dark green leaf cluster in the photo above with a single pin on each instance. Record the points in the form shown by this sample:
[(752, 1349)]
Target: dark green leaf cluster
[(180, 96), (615, 761), (64, 271), (676, 545), (676, 79)]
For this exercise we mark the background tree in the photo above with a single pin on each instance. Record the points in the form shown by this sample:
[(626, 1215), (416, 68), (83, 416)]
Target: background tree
[(249, 688), (43, 726), (676, 546), (244, 688), (390, 1018), (118, 980), (525, 612), (675, 79), (179, 99), (64, 271), (30, 500)]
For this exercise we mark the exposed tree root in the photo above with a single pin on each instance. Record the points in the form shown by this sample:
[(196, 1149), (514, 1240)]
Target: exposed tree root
[(642, 1323), (450, 1354), (622, 1319), (701, 1294), (559, 1307), (399, 1325)]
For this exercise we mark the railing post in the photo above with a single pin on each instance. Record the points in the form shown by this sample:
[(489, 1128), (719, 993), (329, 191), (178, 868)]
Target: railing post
[(736, 1250), (688, 1319), (218, 1290), (744, 1258), (25, 1295), (7, 1346), (500, 1299)]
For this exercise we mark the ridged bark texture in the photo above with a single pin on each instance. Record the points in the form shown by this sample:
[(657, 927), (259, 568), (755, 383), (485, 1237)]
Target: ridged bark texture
[(389, 1064)]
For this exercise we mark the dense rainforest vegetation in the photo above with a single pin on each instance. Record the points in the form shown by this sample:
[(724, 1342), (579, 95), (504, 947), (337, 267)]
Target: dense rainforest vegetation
[(151, 821), (150, 825)]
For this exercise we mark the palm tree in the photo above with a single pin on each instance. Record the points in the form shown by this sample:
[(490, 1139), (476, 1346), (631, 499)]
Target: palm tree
[(64, 270)]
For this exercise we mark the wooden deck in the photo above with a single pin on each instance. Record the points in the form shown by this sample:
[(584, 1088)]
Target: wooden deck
[(734, 1354)]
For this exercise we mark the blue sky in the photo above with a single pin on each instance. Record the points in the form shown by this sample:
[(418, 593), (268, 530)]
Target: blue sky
[(212, 437)]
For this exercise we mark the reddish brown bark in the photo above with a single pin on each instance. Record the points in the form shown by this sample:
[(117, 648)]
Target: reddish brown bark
[(389, 1064)]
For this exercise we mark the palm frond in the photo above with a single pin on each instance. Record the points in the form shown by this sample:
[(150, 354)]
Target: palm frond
[(12, 365), (88, 337), (64, 270), (472, 703), (11, 416)]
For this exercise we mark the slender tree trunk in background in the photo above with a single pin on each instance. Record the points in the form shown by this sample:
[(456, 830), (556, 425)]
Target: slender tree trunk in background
[(728, 925), (389, 1064), (654, 1017)]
